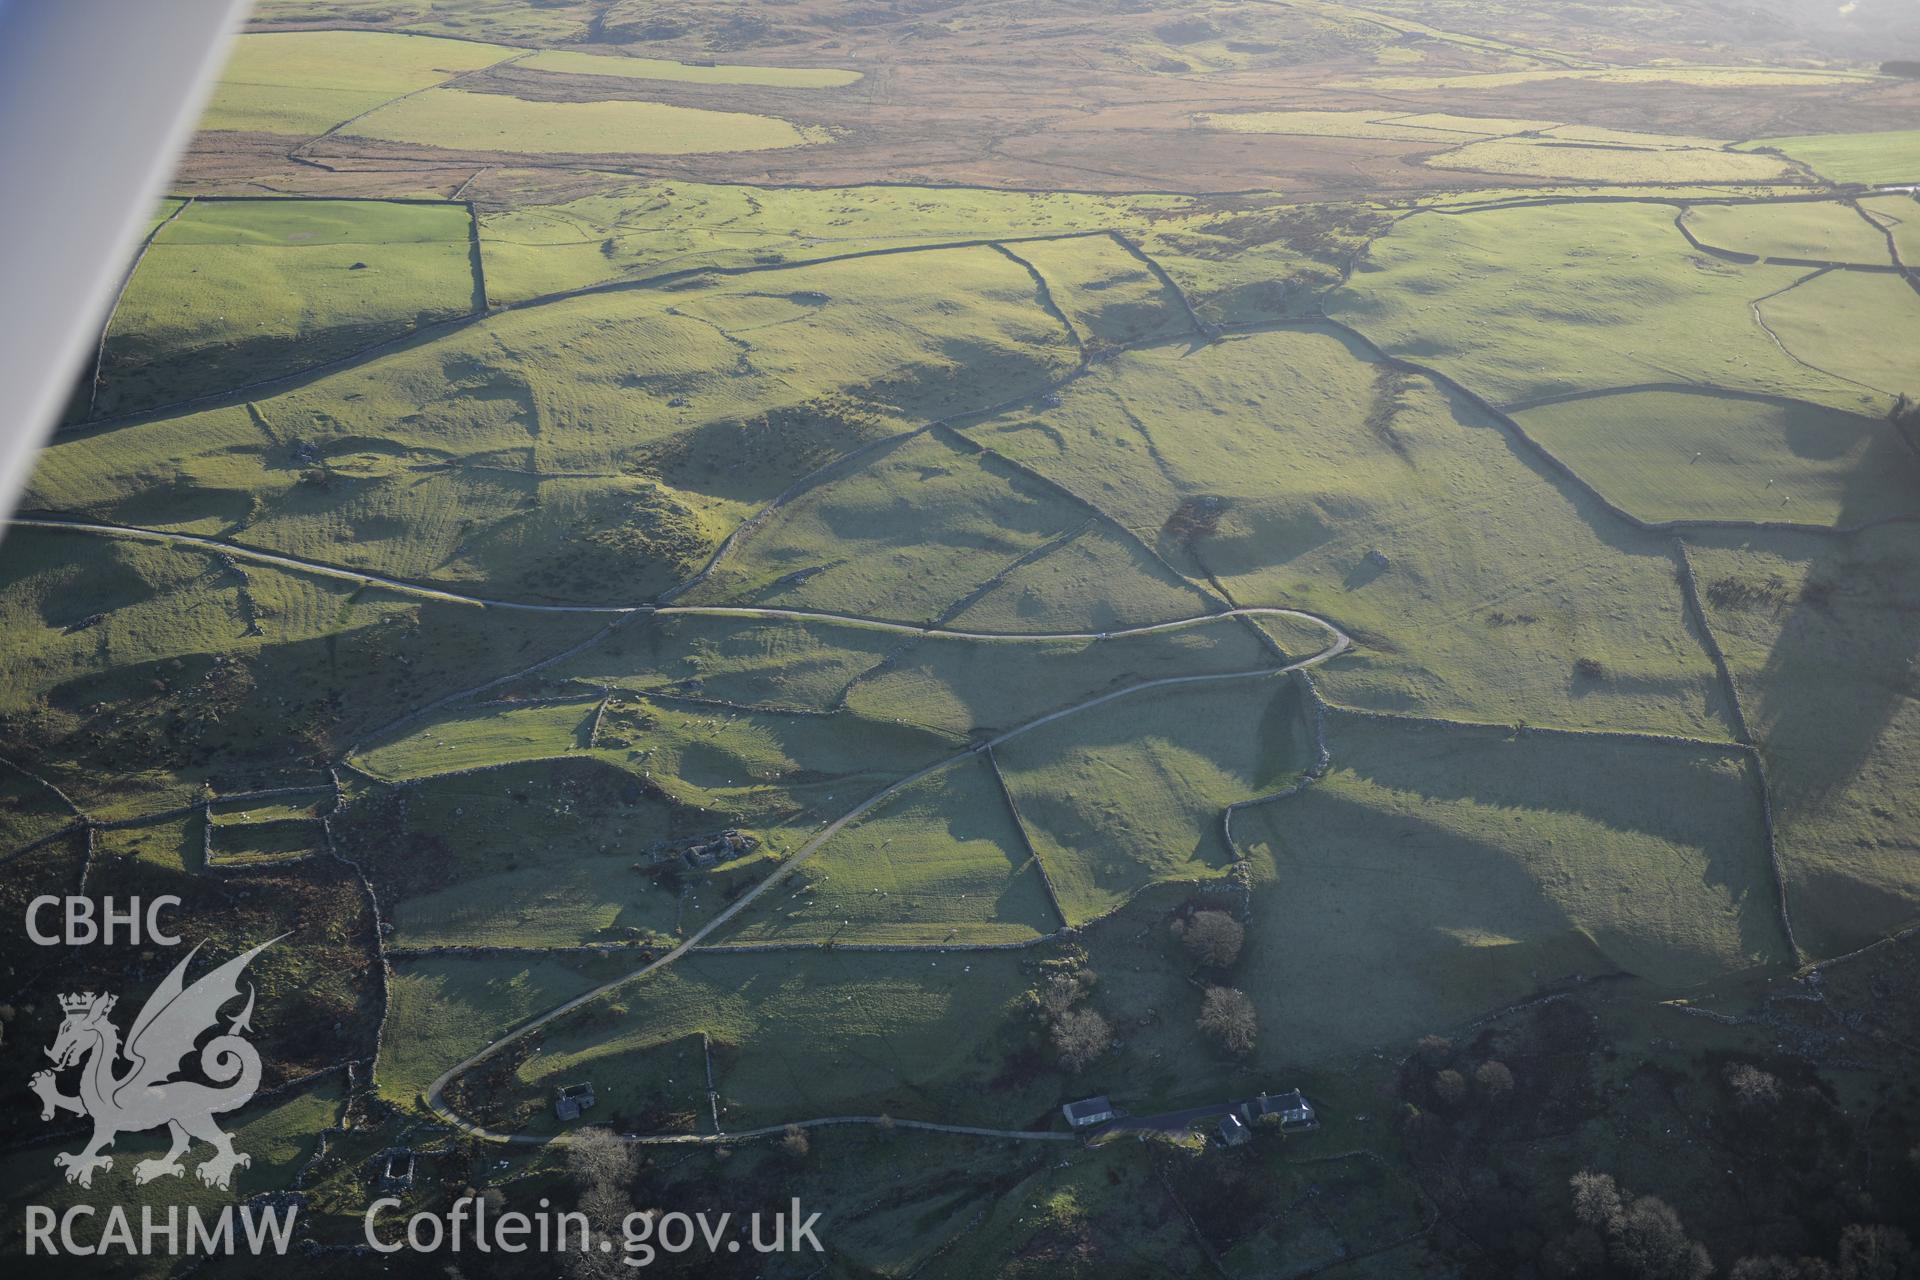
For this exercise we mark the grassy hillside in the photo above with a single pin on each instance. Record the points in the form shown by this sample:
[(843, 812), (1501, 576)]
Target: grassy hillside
[(1850, 326), (849, 546), (940, 862), (588, 449), (1131, 793), (1892, 156), (1295, 469), (1521, 304), (1490, 866), (820, 1033), (1828, 231), (137, 672), (1819, 637), (306, 82), (232, 293), (1711, 455), (1166, 550)]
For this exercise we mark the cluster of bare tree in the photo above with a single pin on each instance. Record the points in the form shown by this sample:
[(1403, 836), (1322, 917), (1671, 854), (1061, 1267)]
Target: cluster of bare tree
[(1637, 1236), (603, 1168), (1077, 1033)]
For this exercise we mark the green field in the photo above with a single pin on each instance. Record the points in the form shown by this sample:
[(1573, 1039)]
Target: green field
[(235, 292), (271, 809), (538, 248), (540, 853), (595, 64), (1278, 461), (974, 689), (446, 1007), (852, 547), (955, 1203), (529, 453), (910, 556), (1705, 455), (29, 810), (941, 861), (1854, 327), (1471, 125), (1236, 264), (1582, 133), (1893, 156), (1131, 793), (1827, 231), (1109, 295), (457, 120), (755, 768), (248, 843), (763, 663), (1820, 638), (956, 685), (1443, 871), (1100, 581), (306, 82), (477, 740), (1522, 304), (815, 1033), (1900, 214), (1644, 160), (136, 672)]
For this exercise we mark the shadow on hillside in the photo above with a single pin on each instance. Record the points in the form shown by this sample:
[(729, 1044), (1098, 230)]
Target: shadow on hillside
[(1646, 788)]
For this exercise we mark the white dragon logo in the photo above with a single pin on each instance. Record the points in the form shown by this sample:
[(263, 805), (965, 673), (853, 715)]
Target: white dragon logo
[(146, 1096)]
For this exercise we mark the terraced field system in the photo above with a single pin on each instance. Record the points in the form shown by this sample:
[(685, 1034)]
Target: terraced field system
[(735, 638)]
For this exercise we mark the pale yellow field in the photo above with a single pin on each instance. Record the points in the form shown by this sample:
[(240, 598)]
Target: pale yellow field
[(597, 64), (496, 122), (305, 82)]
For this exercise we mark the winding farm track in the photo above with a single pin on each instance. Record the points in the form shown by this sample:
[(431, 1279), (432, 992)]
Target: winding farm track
[(752, 612), (436, 1091), (299, 565), (1340, 642), (619, 614)]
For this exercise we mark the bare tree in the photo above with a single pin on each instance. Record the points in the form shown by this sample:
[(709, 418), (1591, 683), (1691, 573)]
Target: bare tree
[(1644, 1235), (1227, 1018), (596, 1157), (1450, 1086), (1875, 1253), (1494, 1079), (794, 1142), (603, 1166), (1080, 1036), (1649, 1242), (1214, 938), (1596, 1198), (1752, 1087), (1064, 990)]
